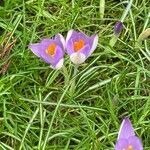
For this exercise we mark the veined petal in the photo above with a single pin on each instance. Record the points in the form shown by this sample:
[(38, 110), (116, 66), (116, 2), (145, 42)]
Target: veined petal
[(126, 129), (61, 39), (121, 144), (77, 58), (50, 50), (69, 47), (135, 142), (58, 56), (69, 34), (85, 50), (35, 49), (94, 44), (80, 46), (75, 40), (46, 41), (39, 50)]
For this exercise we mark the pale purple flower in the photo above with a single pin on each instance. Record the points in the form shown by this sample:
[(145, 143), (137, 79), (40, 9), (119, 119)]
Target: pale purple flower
[(80, 46), (50, 50), (118, 27), (127, 140)]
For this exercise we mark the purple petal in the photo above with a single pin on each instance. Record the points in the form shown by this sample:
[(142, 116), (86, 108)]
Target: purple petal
[(126, 129), (35, 49), (39, 50), (58, 56), (121, 144), (94, 40), (86, 50), (61, 41), (135, 142), (69, 35), (90, 43), (46, 41), (69, 47), (73, 36)]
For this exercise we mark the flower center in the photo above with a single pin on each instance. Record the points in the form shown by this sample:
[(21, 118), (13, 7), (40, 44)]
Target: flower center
[(77, 45), (128, 148), (51, 50)]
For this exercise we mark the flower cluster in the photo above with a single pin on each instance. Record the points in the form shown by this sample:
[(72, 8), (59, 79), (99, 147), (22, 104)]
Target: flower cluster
[(77, 45)]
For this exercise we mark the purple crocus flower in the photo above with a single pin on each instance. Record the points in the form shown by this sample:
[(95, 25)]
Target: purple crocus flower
[(118, 27), (127, 140), (50, 50), (80, 46)]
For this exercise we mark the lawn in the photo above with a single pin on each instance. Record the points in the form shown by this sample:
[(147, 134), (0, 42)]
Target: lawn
[(74, 108)]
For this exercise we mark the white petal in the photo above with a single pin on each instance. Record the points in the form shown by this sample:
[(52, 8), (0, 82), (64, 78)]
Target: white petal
[(69, 34), (77, 58), (94, 45), (62, 40), (59, 64)]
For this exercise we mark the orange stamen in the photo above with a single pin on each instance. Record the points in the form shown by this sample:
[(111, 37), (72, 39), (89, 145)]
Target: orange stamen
[(77, 45), (51, 50), (128, 148)]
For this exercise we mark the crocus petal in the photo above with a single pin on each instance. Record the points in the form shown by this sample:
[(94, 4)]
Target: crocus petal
[(60, 38), (135, 142), (59, 64), (126, 129), (46, 41), (69, 47), (72, 36), (94, 43), (58, 56), (121, 144), (77, 58), (39, 50), (53, 56), (80, 46), (85, 50), (69, 34), (91, 44), (35, 49)]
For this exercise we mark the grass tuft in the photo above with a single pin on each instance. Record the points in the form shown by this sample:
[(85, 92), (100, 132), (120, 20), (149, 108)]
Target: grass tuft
[(37, 108)]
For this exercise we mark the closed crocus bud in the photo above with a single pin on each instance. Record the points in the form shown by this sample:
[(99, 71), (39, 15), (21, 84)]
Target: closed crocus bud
[(50, 51), (118, 28), (80, 46)]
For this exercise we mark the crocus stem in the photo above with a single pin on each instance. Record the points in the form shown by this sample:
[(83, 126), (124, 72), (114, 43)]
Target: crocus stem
[(124, 15), (73, 81), (66, 76), (113, 40)]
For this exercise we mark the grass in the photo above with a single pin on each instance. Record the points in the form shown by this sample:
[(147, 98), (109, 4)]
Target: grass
[(37, 108)]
